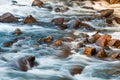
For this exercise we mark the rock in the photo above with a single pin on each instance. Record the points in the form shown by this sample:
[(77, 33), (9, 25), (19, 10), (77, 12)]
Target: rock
[(48, 39), (63, 26), (94, 38), (7, 44), (58, 21), (106, 13), (37, 3), (113, 1), (80, 45), (58, 42), (18, 31), (103, 40), (117, 19), (109, 20), (83, 35), (57, 10), (74, 24), (90, 51), (115, 55), (61, 9), (101, 53), (26, 62), (76, 70), (112, 42), (29, 19), (8, 17)]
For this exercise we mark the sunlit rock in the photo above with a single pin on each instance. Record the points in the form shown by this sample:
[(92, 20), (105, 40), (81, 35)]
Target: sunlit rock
[(113, 1), (29, 19), (101, 53), (18, 31), (48, 39), (76, 70), (58, 42), (103, 40), (58, 21), (115, 55), (90, 51), (37, 3), (107, 13), (8, 17)]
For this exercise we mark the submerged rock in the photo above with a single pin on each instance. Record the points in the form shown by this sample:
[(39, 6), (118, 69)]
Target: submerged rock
[(18, 31), (7, 44), (8, 17), (76, 70), (38, 3), (29, 19)]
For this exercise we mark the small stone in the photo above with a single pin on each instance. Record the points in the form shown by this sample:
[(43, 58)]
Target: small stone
[(37, 3), (90, 51), (29, 19), (115, 55), (8, 17), (117, 19), (103, 40), (7, 44), (74, 24), (18, 31), (48, 39), (58, 42), (63, 26), (76, 70), (101, 53), (58, 21), (106, 13)]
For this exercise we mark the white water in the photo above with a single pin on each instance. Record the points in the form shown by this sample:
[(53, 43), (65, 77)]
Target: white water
[(50, 67)]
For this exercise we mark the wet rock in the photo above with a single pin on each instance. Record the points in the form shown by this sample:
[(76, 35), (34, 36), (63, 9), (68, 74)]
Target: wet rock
[(26, 62), (29, 19), (117, 19), (109, 20), (8, 17), (101, 53), (76, 70), (83, 35), (18, 31), (7, 44), (103, 40), (94, 38), (114, 42), (74, 24), (115, 55), (80, 45), (66, 51), (113, 1), (63, 26), (48, 39), (58, 42), (37, 3), (58, 21), (90, 51), (106, 13)]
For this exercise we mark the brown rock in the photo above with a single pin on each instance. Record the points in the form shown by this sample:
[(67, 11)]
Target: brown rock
[(106, 13), (109, 20), (58, 21), (117, 20), (58, 42), (29, 19), (48, 39), (37, 3), (115, 55), (7, 44), (76, 70), (89, 51), (26, 62), (101, 53), (112, 42), (8, 17), (94, 38), (113, 1), (74, 24), (63, 26), (18, 31), (103, 40)]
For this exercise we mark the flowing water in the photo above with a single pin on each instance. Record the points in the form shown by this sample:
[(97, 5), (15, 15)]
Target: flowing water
[(49, 67)]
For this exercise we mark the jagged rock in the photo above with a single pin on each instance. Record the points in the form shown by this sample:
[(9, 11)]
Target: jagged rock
[(58, 21), (76, 69), (90, 51), (117, 19), (106, 13), (94, 38), (37, 3), (101, 53), (8, 17), (103, 40), (29, 19), (18, 31)]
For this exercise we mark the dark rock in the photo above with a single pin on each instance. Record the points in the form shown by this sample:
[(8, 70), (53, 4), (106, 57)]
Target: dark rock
[(29, 19), (58, 21), (74, 24), (76, 70), (48, 39), (90, 51), (117, 19), (18, 31), (106, 13), (58, 42), (7, 44), (101, 53), (8, 17), (37, 3), (63, 26)]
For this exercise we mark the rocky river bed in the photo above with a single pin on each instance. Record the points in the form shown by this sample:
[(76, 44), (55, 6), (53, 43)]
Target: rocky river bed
[(59, 39)]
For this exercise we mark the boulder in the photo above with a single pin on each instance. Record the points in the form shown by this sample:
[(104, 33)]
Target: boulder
[(117, 19), (74, 24), (37, 3), (63, 26), (76, 69), (115, 55), (101, 53), (29, 19), (58, 21), (26, 62), (8, 17), (18, 31), (103, 40), (90, 51), (106, 13)]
